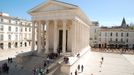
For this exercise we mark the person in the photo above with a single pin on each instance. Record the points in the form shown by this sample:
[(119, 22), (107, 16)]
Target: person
[(102, 59), (75, 72), (71, 73), (78, 67), (47, 71), (82, 67), (34, 71)]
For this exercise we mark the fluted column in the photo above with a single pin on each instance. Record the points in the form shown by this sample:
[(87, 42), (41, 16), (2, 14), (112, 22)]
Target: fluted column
[(73, 36), (39, 37), (55, 37), (33, 37), (47, 37), (64, 37)]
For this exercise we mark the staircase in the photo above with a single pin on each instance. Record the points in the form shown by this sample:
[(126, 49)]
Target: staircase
[(35, 61)]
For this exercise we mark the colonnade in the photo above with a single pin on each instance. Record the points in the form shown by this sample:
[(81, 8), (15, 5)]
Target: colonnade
[(78, 37), (41, 27)]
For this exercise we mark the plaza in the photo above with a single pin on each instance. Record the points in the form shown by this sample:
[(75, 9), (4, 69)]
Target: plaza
[(114, 64), (62, 45)]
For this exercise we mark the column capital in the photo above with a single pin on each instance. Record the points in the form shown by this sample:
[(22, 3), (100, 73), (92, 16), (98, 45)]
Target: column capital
[(64, 20), (42, 22)]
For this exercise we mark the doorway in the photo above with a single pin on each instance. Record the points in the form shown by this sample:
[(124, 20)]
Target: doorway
[(61, 38)]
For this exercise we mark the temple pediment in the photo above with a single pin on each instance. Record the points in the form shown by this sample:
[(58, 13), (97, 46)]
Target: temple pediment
[(52, 6)]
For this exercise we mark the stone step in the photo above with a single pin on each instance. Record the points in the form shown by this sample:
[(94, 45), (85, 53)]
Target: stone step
[(34, 62)]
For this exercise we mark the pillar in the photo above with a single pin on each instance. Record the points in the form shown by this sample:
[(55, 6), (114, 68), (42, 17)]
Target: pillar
[(55, 37), (64, 37), (73, 36), (47, 36), (33, 37), (39, 37)]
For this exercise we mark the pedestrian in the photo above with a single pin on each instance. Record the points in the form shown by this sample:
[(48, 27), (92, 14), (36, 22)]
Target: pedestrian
[(82, 68), (34, 71), (71, 73), (47, 71), (78, 67), (102, 59), (75, 72)]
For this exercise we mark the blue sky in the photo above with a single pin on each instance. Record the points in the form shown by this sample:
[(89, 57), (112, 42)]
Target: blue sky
[(107, 12)]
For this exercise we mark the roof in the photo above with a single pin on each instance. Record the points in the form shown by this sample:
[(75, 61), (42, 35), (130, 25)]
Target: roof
[(55, 1)]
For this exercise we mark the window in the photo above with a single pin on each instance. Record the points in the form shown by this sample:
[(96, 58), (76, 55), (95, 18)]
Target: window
[(121, 40), (95, 38), (9, 37), (29, 29), (16, 29), (111, 34), (127, 34), (9, 21), (1, 45), (100, 34), (105, 34), (122, 34), (116, 40), (21, 29), (1, 37), (16, 37), (1, 19), (110, 39), (25, 29), (100, 39), (95, 31), (1, 27), (127, 40), (116, 34), (9, 28)]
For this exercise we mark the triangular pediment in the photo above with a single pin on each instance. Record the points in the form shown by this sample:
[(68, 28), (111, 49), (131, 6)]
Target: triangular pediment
[(52, 6)]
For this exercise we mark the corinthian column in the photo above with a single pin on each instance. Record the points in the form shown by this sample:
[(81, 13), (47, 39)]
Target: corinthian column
[(47, 36), (55, 37), (39, 37), (33, 37), (64, 37)]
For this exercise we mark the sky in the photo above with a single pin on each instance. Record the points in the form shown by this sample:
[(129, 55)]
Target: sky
[(107, 12)]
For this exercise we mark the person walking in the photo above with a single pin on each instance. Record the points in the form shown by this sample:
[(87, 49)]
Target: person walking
[(102, 59), (75, 72), (82, 68), (78, 67)]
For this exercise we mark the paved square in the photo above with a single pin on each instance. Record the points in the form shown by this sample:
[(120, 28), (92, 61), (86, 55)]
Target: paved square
[(114, 64)]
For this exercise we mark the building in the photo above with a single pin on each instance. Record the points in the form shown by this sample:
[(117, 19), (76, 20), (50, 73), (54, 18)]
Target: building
[(67, 27), (116, 36), (94, 34), (14, 32)]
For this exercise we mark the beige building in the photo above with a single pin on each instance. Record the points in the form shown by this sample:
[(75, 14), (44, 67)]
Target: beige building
[(94, 34), (112, 37), (14, 32), (66, 26)]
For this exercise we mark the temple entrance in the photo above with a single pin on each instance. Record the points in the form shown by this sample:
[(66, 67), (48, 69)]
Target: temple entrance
[(61, 38)]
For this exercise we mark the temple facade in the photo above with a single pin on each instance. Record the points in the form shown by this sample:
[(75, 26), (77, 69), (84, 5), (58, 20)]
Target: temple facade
[(60, 27)]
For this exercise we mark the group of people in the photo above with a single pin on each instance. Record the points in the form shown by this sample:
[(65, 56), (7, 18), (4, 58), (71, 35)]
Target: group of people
[(80, 68), (66, 60), (10, 60), (4, 68), (52, 55), (45, 70)]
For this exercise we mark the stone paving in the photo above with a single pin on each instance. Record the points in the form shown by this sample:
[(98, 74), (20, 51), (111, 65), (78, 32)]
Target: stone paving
[(114, 64)]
